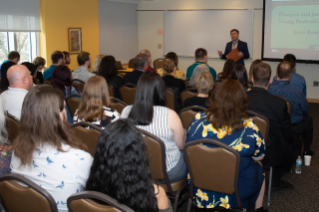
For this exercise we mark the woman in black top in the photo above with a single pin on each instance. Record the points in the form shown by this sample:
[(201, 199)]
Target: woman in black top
[(39, 63), (177, 85), (109, 71), (204, 84)]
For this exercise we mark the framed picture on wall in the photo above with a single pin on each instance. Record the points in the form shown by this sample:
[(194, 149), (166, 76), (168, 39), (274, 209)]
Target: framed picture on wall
[(75, 40)]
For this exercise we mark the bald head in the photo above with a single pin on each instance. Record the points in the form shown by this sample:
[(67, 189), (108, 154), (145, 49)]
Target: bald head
[(284, 71), (19, 77), (148, 53)]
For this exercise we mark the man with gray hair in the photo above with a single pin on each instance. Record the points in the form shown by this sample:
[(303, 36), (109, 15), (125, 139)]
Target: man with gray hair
[(21, 81), (199, 69), (141, 66), (149, 56)]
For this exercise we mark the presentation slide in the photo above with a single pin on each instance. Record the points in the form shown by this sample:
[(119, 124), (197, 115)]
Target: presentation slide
[(291, 27)]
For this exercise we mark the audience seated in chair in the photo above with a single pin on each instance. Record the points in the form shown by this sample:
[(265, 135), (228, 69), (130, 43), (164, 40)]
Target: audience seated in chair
[(204, 84), (39, 62), (149, 59), (84, 61), (141, 65), (201, 59), (296, 79), (227, 121), (227, 70), (179, 74), (33, 71), (5, 145), (109, 71), (62, 79), (94, 104), (239, 73), (177, 85), (44, 151), (97, 63), (20, 81), (120, 169), (279, 151), (67, 58), (199, 69), (57, 59), (250, 74), (301, 122), (13, 59), (150, 115)]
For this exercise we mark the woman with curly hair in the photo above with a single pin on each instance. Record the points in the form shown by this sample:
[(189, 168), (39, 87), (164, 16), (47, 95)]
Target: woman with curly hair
[(45, 151), (227, 121), (120, 169)]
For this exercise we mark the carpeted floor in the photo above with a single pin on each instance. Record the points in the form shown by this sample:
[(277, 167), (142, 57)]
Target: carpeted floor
[(305, 196)]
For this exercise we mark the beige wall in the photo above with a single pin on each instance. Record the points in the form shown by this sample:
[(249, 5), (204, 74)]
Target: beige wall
[(150, 21)]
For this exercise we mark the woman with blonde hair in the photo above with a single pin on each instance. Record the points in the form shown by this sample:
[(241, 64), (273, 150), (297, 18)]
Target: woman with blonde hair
[(45, 151), (199, 69), (97, 62), (94, 104)]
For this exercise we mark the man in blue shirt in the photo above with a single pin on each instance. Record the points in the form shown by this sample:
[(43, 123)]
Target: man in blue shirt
[(57, 59), (201, 58), (301, 122), (296, 79)]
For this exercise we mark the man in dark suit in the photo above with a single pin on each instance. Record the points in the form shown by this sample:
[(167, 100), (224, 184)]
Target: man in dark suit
[(236, 44), (141, 65), (280, 148)]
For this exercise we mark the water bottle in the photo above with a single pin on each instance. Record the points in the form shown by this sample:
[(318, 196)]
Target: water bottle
[(298, 165)]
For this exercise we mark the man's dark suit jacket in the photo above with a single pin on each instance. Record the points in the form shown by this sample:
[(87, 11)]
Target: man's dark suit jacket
[(242, 47), (280, 136), (4, 80), (133, 77), (177, 85)]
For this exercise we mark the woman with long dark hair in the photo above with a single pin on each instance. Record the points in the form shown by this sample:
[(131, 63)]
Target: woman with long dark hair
[(227, 121), (109, 71), (120, 169), (239, 73), (227, 70), (62, 79), (45, 151), (148, 113)]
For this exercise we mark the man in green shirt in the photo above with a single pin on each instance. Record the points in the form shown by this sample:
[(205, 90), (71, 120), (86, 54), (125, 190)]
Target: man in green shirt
[(201, 58)]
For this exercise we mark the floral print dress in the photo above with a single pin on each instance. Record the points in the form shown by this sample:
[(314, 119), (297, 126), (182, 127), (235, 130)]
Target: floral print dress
[(248, 142)]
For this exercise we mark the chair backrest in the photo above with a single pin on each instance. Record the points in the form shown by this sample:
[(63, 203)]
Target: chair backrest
[(118, 65), (111, 90), (188, 93), (73, 103), (186, 83), (170, 98), (29, 198), (223, 162), (131, 63), (83, 202), (117, 104), (158, 63), (78, 81), (47, 82), (88, 134), (261, 122), (187, 114), (288, 102), (12, 126), (127, 92), (78, 85), (155, 153)]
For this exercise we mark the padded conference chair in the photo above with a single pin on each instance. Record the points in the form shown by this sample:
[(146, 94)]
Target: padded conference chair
[(88, 134), (12, 126), (158, 63), (117, 105), (78, 84), (289, 104), (170, 98), (29, 198), (131, 64), (188, 93), (47, 82), (83, 202), (222, 176), (263, 125), (127, 92), (111, 90), (155, 151), (73, 103), (187, 114), (186, 83)]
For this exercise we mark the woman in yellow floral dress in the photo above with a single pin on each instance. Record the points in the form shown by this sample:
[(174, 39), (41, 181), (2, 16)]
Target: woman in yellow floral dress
[(226, 120)]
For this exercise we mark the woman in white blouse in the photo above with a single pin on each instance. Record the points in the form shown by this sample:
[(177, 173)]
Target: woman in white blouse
[(44, 151)]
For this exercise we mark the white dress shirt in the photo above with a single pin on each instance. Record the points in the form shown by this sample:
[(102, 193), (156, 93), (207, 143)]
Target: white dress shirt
[(12, 100)]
